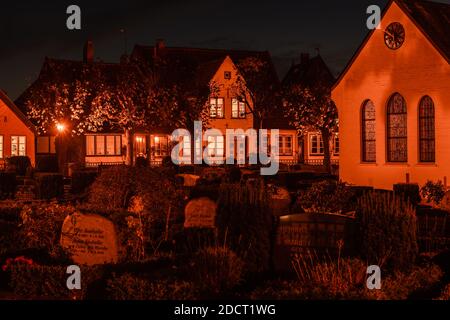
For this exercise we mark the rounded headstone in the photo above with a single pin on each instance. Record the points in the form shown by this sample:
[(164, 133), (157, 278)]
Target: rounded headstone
[(200, 213), (189, 180), (89, 239), (280, 201)]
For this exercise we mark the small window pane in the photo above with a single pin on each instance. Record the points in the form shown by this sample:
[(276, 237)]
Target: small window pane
[(234, 108), (90, 145), (1, 147), (110, 147), (118, 145)]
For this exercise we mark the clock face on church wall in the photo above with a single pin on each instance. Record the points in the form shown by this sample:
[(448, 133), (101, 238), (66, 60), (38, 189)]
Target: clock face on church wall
[(394, 35)]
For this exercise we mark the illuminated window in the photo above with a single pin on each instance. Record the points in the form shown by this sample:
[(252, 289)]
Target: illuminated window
[(103, 145), (18, 145), (216, 108), (46, 144), (316, 145), (285, 147), (237, 108), (160, 145), (216, 146), (1, 147), (397, 150), (336, 146), (368, 132), (426, 130)]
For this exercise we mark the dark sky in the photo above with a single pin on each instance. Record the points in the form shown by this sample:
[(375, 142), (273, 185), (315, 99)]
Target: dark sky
[(31, 30)]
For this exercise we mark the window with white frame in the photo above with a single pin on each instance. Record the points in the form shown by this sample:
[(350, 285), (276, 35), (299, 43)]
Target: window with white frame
[(103, 145), (216, 108), (285, 147), (1, 147), (237, 108), (216, 146), (316, 145), (45, 145), (18, 145)]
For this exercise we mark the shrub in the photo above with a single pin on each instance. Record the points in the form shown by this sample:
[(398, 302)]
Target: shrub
[(18, 164), (37, 281), (408, 191), (245, 222), (49, 185), (82, 179), (41, 226), (47, 163), (7, 185), (161, 203), (386, 230), (445, 294), (433, 192), (233, 174), (327, 196), (129, 287), (217, 269), (113, 188), (406, 285), (141, 162)]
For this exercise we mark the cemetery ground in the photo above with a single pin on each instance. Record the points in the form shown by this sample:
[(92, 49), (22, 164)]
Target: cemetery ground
[(205, 233)]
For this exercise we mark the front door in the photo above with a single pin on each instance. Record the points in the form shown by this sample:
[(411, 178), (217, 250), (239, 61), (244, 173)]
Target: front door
[(140, 146)]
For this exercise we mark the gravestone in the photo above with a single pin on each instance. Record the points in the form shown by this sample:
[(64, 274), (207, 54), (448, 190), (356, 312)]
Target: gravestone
[(280, 201), (315, 233), (445, 203), (89, 239), (189, 180), (200, 213)]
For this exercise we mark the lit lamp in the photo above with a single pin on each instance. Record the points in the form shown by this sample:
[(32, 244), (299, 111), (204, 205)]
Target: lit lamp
[(60, 127), (156, 139)]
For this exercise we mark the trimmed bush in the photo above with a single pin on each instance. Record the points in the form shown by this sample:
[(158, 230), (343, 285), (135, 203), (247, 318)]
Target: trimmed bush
[(327, 196), (433, 192), (82, 179), (113, 188), (18, 164), (408, 191), (246, 224), (386, 231), (41, 226), (7, 185), (49, 186), (47, 163)]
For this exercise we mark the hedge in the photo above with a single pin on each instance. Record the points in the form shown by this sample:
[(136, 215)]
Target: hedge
[(49, 185), (7, 185)]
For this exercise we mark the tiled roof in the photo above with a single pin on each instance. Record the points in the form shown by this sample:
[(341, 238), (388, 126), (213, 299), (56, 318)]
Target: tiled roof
[(310, 72), (5, 99), (434, 20)]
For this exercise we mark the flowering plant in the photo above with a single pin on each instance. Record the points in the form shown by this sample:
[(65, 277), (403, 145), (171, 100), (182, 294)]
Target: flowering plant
[(17, 260)]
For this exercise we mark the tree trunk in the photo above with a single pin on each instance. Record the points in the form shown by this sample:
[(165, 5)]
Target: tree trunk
[(129, 141), (326, 150)]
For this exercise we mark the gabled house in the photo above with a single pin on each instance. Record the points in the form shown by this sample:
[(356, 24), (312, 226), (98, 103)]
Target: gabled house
[(311, 72), (394, 99), (175, 65), (17, 133)]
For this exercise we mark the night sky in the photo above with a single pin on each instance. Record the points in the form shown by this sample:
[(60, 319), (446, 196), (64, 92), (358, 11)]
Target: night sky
[(31, 30)]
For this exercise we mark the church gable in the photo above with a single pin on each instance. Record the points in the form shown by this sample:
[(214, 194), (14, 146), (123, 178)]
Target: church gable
[(375, 59)]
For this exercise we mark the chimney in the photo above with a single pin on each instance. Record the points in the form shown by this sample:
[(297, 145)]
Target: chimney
[(88, 52), (159, 45), (304, 58)]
